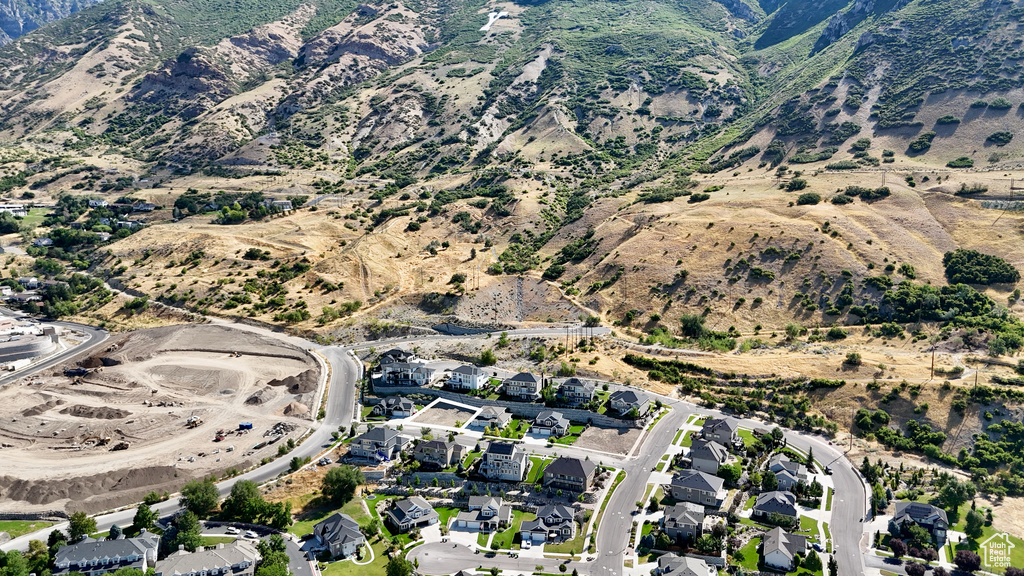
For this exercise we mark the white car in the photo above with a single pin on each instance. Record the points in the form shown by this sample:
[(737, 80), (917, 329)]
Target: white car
[(231, 530), (251, 534), (526, 544)]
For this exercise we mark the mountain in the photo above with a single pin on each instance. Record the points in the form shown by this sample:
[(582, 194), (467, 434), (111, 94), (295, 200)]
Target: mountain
[(19, 17)]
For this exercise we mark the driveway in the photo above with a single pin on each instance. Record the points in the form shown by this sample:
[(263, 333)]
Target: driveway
[(439, 559)]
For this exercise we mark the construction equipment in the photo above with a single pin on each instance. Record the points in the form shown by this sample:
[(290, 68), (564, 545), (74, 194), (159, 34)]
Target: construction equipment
[(120, 446), (193, 421)]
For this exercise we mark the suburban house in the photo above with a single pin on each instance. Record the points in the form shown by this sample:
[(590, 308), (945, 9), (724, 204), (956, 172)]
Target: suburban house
[(779, 548), (239, 558), (554, 523), (468, 378), (484, 514), (525, 386), (395, 407), (624, 402), (144, 207), (495, 416), (40, 242), (401, 368), (926, 516), (684, 521), (775, 502), (550, 423), (683, 566), (697, 487), (97, 203), (572, 474), (95, 557), (438, 454), (340, 534), (378, 445), (503, 461), (576, 392), (725, 431), (413, 512), (707, 456), (788, 473), (30, 282)]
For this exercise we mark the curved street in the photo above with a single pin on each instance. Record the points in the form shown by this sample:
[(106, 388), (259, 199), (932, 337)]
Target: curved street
[(849, 506)]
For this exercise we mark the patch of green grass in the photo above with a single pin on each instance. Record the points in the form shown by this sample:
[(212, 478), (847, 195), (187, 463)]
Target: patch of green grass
[(748, 556), (214, 540), (537, 466), (348, 568), (828, 537), (33, 219), (747, 436), (749, 503), (676, 439), (446, 514), (660, 467), (481, 539), (470, 458), (687, 440), (509, 539), (21, 527), (1016, 553), (309, 518), (828, 499), (574, 546), (810, 525)]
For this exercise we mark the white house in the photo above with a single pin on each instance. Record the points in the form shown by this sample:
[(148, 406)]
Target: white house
[(468, 378)]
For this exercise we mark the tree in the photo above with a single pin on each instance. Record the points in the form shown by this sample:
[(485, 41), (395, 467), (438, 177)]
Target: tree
[(967, 560), (38, 556), (833, 566), (487, 358), (654, 505), (955, 493), (810, 457), (730, 473), (115, 532), (812, 562), (200, 497), (274, 560), (245, 503), (398, 566), (898, 547), (1011, 571), (188, 532), (339, 485), (915, 569), (769, 482), (80, 526), (144, 518), (975, 525), (13, 564), (709, 545)]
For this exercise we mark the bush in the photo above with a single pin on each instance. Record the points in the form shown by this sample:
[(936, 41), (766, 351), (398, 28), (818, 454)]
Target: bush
[(698, 197), (922, 143), (961, 162), (1001, 138), (948, 119), (1000, 103), (810, 198), (840, 199), (796, 184), (973, 267), (853, 359)]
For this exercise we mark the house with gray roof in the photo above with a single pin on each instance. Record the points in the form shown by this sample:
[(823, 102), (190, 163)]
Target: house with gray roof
[(438, 454), (94, 557), (484, 514), (238, 558), (395, 407), (725, 431), (503, 461), (775, 502), (683, 521), (339, 534), (779, 548), (788, 472), (491, 416), (524, 386), (573, 474), (550, 423), (402, 368), (623, 402), (931, 518), (707, 455), (576, 391), (467, 377), (683, 566), (412, 512), (554, 523), (377, 445), (697, 487)]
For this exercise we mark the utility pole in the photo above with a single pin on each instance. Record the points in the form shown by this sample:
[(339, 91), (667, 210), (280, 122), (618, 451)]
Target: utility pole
[(933, 363)]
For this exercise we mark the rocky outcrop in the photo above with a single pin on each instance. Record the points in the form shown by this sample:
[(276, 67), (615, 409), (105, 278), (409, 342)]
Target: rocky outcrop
[(740, 10), (19, 17), (847, 20), (193, 78)]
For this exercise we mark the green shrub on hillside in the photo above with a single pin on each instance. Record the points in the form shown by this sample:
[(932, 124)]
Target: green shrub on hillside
[(840, 199), (973, 267), (948, 119), (922, 143), (808, 198), (961, 162), (1001, 138)]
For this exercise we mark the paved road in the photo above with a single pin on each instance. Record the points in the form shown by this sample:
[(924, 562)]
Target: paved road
[(95, 337), (448, 558)]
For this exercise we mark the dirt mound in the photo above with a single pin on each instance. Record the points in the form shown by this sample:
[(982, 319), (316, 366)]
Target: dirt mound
[(300, 384), (295, 409), (259, 397), (98, 412), (93, 493), (91, 362), (41, 408)]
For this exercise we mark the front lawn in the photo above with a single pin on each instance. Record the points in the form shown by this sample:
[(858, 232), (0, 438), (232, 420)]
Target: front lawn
[(537, 466), (687, 440), (308, 518), (348, 568), (210, 541), (574, 546), (446, 514), (21, 527), (510, 537), (748, 556)]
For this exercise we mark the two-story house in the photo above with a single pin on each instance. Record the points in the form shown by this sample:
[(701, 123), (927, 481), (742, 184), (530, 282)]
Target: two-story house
[(697, 487), (707, 456), (684, 521), (775, 502), (484, 514), (673, 565), (524, 386), (573, 474), (468, 378), (438, 454), (725, 431), (96, 557), (779, 548), (413, 512), (378, 445), (554, 523), (238, 558), (625, 402), (931, 518), (576, 391), (491, 417), (503, 461), (395, 407), (550, 423), (787, 472), (401, 368), (339, 534)]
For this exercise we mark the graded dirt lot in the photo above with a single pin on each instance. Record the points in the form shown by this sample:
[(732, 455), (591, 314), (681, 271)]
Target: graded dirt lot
[(57, 432), (612, 440), (443, 415)]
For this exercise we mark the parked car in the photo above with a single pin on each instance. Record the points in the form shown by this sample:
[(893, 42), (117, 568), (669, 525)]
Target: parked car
[(251, 534), (232, 530)]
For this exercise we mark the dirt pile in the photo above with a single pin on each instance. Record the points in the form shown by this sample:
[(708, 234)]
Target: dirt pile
[(41, 408), (295, 409), (98, 412), (299, 384)]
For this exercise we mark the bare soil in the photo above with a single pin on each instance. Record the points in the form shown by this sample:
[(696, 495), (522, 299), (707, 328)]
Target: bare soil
[(57, 432), (443, 415), (614, 440)]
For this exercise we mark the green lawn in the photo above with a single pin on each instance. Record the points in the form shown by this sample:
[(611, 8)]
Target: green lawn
[(21, 527), (828, 537), (348, 568), (660, 467), (748, 557), (570, 438), (481, 539), (537, 466), (1016, 553), (749, 503), (809, 525), (510, 537), (574, 546), (33, 219), (747, 436), (214, 540), (676, 439), (469, 459), (306, 520), (828, 499), (446, 514), (687, 440)]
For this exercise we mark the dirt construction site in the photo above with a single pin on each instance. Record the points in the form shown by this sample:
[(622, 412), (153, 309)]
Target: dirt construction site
[(149, 411)]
